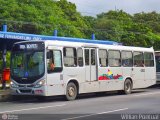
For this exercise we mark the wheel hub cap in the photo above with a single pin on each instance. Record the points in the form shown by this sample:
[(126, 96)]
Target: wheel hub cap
[(71, 91)]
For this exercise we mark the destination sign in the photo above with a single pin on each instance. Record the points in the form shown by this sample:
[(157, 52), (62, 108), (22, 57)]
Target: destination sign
[(28, 46), (32, 46)]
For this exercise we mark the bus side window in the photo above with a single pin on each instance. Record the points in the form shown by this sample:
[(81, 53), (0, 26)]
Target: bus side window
[(70, 57), (148, 59), (103, 58), (138, 59), (114, 58), (127, 59), (86, 56), (93, 55), (80, 57)]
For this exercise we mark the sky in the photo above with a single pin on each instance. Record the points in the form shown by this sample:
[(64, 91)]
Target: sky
[(94, 7)]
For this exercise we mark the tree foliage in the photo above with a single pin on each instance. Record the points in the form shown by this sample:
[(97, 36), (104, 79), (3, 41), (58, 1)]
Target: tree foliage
[(141, 29), (43, 16)]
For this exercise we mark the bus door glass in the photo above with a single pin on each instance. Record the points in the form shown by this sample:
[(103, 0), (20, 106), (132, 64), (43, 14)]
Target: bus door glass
[(149, 66), (138, 72), (127, 63), (90, 64)]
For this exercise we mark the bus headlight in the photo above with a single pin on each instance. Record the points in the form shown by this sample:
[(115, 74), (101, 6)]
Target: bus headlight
[(40, 84), (13, 85)]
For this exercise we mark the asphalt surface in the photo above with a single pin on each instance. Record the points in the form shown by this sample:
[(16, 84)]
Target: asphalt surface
[(141, 104)]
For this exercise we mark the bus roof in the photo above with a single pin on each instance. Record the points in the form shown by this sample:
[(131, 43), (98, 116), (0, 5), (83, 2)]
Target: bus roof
[(102, 46), (68, 39)]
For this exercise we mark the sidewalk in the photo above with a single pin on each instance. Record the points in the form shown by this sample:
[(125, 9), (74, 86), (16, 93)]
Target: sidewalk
[(4, 94)]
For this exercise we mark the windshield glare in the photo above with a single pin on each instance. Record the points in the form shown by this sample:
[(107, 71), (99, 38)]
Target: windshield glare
[(27, 64)]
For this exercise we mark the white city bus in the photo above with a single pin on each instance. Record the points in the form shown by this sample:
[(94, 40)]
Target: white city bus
[(50, 68)]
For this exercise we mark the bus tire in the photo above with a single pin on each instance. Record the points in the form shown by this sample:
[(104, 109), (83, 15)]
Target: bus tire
[(127, 86), (71, 91)]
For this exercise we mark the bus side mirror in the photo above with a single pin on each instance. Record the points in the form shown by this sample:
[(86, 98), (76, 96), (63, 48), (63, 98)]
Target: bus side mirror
[(48, 55)]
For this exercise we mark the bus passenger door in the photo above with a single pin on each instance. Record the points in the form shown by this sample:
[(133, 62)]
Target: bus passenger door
[(138, 71), (90, 64), (150, 71)]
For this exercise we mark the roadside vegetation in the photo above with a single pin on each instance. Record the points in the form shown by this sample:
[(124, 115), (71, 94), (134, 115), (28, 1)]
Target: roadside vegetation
[(44, 16)]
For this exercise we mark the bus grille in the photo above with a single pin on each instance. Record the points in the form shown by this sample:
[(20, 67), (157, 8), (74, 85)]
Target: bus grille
[(25, 91), (26, 86)]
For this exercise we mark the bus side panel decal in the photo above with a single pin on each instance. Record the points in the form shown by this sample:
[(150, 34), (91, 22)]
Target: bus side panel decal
[(110, 76)]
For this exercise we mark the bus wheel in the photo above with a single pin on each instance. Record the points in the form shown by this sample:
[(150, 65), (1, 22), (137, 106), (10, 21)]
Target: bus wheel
[(127, 86), (71, 91)]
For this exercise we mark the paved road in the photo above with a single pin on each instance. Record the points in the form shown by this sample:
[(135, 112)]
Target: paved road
[(107, 106)]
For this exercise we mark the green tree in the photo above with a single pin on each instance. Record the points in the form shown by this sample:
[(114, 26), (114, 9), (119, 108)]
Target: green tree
[(112, 25), (141, 29), (42, 17)]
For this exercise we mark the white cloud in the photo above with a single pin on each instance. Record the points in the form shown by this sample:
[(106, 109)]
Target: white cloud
[(93, 7)]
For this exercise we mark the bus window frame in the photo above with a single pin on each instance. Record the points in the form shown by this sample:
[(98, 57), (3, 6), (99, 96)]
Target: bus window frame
[(120, 63), (103, 58), (74, 57), (149, 59), (57, 69), (79, 48), (142, 64), (122, 58)]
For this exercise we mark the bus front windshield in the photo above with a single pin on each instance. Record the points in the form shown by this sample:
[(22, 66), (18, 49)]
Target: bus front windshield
[(28, 65)]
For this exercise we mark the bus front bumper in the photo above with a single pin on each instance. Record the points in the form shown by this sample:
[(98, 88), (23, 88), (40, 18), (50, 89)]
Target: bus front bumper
[(29, 91)]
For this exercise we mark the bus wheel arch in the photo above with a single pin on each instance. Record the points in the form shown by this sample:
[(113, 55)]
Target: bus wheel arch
[(72, 90), (128, 85)]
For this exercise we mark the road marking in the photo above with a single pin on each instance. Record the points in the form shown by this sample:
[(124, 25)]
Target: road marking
[(33, 108), (147, 94), (95, 114)]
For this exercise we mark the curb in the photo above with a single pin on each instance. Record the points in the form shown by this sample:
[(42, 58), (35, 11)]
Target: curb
[(4, 98), (5, 95)]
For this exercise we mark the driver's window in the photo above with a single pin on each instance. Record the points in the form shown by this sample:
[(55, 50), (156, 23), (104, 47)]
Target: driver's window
[(54, 61)]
